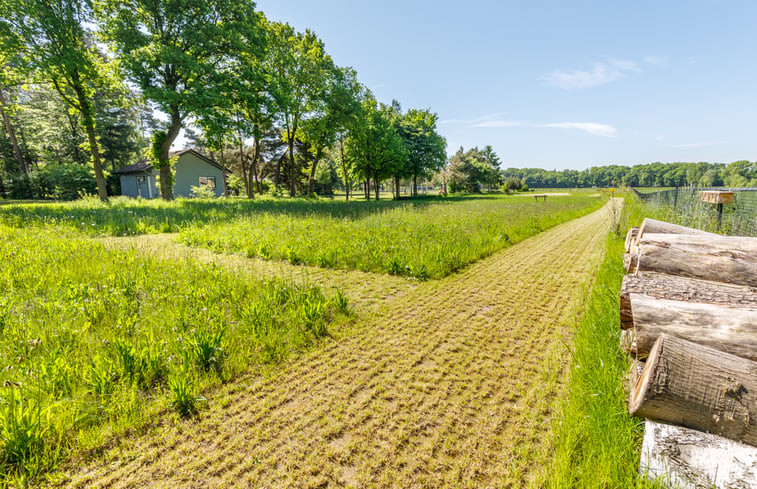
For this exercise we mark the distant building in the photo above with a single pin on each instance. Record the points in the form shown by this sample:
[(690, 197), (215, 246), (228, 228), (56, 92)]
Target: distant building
[(192, 169)]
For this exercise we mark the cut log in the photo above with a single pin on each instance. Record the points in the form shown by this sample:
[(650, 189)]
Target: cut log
[(729, 259), (698, 387), (653, 226), (685, 458), (630, 262), (731, 329), (678, 288), (631, 238)]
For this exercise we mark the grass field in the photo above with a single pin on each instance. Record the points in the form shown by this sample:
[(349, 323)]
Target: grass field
[(107, 339), (444, 383), (427, 241)]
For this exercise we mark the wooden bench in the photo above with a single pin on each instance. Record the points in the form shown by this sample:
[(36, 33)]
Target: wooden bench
[(538, 196)]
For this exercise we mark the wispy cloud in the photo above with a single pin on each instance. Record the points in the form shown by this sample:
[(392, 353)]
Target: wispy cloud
[(600, 74), (593, 128)]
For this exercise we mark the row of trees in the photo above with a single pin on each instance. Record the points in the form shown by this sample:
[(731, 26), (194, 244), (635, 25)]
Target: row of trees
[(267, 99), (736, 174)]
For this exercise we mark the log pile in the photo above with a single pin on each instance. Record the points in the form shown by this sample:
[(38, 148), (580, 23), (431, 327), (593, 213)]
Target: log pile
[(688, 318)]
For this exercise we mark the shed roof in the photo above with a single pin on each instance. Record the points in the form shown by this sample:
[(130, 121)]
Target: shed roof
[(143, 165)]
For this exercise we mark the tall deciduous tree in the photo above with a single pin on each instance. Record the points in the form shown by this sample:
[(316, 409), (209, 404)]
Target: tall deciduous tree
[(179, 52), (58, 47), (298, 67), (426, 148)]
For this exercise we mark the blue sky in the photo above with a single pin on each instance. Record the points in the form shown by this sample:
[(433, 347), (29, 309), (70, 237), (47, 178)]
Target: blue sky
[(557, 84)]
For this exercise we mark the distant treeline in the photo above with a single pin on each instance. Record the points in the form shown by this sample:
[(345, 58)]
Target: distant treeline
[(736, 174)]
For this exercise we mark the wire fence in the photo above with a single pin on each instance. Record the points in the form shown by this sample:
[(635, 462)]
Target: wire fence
[(684, 206)]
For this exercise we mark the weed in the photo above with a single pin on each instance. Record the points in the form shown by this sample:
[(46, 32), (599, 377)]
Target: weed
[(183, 399), (207, 347)]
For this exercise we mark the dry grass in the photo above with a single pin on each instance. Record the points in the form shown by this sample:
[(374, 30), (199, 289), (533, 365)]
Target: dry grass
[(446, 383)]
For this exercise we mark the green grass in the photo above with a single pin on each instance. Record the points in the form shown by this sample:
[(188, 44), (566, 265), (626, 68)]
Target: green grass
[(424, 241), (123, 216), (596, 442), (94, 340)]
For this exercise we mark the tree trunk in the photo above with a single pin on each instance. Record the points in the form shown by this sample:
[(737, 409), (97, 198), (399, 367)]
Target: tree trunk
[(88, 121), (311, 178), (164, 158), (698, 387), (376, 182), (653, 226), (277, 174), (292, 188), (344, 170), (397, 195), (415, 186), (731, 329), (12, 136), (729, 259), (682, 457), (661, 286), (367, 189), (246, 177), (254, 182)]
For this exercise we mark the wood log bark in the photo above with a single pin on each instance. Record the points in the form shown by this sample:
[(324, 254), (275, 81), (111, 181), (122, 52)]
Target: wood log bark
[(630, 262), (686, 458), (731, 329), (729, 259), (662, 286), (631, 238), (653, 226), (698, 387)]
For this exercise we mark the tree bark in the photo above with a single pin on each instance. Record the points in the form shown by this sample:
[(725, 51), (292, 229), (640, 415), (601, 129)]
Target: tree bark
[(246, 177), (376, 182), (311, 178), (661, 286), (728, 259), (631, 238), (12, 136), (88, 121), (653, 226), (367, 188), (415, 186), (731, 329), (682, 457), (292, 188), (164, 158), (698, 387), (344, 170)]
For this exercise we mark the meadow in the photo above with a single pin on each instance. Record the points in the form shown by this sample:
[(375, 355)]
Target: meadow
[(98, 340), (426, 241)]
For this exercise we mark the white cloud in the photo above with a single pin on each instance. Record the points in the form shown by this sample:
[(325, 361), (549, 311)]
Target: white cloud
[(578, 79), (600, 74), (593, 128)]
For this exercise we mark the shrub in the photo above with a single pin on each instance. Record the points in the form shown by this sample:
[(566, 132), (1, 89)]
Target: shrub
[(65, 182)]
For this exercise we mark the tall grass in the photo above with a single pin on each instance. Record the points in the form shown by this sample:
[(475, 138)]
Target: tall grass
[(430, 241), (92, 339), (596, 442)]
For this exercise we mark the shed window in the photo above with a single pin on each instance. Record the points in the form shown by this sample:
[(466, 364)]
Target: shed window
[(209, 182)]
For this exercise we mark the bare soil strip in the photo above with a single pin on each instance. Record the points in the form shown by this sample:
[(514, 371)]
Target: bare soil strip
[(446, 383)]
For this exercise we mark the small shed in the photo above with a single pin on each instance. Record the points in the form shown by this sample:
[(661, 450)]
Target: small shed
[(192, 169)]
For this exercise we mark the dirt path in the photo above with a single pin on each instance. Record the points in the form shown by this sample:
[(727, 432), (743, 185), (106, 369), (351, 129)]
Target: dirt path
[(444, 384)]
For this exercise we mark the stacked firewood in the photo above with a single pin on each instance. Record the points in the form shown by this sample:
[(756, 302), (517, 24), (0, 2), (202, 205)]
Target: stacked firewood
[(688, 314)]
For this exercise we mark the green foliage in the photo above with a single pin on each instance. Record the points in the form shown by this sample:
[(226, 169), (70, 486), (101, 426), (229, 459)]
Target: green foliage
[(427, 239), (183, 399), (65, 182), (202, 192), (468, 171), (736, 174)]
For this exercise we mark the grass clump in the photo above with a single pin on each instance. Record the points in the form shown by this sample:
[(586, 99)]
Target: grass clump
[(96, 340), (422, 242)]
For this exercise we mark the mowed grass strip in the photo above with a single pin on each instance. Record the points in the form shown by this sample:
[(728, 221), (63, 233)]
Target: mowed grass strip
[(428, 241), (95, 340)]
